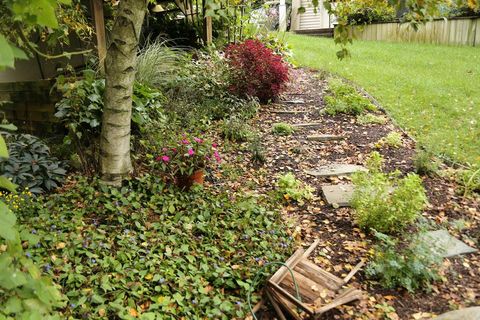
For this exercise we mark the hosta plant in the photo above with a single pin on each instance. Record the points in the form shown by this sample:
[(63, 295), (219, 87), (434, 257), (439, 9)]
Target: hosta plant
[(30, 164)]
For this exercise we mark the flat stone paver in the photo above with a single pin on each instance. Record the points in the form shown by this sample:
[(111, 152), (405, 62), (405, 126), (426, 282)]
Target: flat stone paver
[(325, 137), (448, 246), (335, 169), (294, 101), (307, 125), (290, 111), (472, 313), (339, 194)]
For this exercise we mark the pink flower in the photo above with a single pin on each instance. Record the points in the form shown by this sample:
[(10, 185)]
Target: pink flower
[(217, 156), (198, 140), (158, 158), (185, 141), (165, 158), (191, 152), (214, 145)]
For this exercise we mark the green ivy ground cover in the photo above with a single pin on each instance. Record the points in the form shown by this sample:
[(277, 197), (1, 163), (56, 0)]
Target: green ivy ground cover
[(431, 90), (150, 252)]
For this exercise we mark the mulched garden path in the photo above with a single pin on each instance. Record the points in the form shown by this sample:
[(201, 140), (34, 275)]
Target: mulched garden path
[(343, 244)]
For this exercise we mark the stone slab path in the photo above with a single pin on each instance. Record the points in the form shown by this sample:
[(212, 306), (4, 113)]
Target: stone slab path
[(294, 101), (307, 125), (339, 194), (472, 313), (335, 169), (325, 165), (290, 111), (325, 137), (450, 246)]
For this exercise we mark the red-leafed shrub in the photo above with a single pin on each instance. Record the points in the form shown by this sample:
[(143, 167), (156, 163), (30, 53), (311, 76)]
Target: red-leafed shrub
[(256, 70)]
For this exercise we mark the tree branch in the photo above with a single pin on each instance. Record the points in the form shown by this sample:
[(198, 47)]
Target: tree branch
[(29, 45)]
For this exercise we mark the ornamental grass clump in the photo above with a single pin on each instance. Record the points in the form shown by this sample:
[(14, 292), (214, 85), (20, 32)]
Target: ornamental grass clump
[(385, 202), (256, 71), (185, 154)]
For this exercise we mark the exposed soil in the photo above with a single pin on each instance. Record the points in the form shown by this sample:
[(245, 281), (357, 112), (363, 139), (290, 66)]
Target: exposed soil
[(343, 244)]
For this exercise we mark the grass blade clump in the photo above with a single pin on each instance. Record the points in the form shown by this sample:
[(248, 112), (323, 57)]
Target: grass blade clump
[(158, 63)]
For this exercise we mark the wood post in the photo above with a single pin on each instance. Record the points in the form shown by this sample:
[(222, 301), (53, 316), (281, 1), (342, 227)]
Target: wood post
[(208, 30), (282, 16), (97, 6)]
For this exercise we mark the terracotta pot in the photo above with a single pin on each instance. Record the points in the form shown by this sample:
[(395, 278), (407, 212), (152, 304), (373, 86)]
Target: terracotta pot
[(185, 182)]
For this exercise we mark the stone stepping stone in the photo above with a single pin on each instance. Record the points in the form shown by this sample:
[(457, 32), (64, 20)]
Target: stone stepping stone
[(448, 246), (338, 195), (307, 125), (472, 313), (324, 137), (293, 101), (290, 111), (335, 169)]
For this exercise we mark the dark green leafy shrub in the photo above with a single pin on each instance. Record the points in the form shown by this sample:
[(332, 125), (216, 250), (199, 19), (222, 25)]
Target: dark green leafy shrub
[(24, 292), (282, 129), (81, 110), (291, 188), (152, 250), (343, 98), (411, 264), (30, 164), (385, 202)]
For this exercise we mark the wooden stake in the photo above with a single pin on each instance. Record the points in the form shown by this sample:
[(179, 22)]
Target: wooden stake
[(100, 31), (208, 30)]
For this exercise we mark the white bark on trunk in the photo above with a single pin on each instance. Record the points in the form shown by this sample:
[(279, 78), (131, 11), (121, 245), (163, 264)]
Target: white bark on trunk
[(120, 65)]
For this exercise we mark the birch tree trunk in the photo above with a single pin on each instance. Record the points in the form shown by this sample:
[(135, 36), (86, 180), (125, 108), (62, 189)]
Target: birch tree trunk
[(120, 65)]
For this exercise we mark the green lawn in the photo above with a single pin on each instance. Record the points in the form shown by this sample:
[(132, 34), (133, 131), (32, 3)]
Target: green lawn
[(432, 91)]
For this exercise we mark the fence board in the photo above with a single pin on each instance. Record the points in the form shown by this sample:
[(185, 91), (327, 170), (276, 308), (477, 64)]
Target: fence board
[(461, 31)]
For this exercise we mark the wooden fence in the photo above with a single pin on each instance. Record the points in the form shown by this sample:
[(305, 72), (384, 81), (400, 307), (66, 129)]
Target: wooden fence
[(459, 31)]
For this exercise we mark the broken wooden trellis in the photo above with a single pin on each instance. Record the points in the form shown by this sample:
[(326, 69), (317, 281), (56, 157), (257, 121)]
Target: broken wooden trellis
[(318, 289)]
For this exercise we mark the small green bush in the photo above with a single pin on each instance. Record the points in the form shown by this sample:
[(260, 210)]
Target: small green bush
[(257, 150), (469, 180), (343, 98), (200, 91), (391, 140), (235, 129), (424, 163), (411, 265), (292, 189), (369, 118), (386, 202), (282, 129)]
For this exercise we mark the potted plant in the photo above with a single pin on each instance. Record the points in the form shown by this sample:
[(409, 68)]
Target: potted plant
[(185, 158)]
